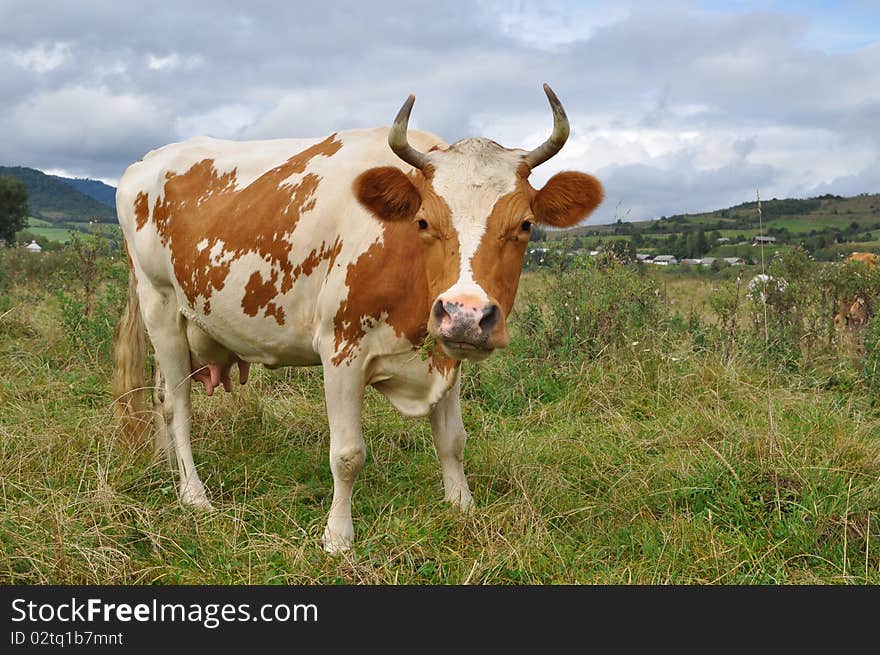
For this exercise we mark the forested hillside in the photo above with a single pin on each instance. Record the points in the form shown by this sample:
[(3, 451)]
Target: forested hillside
[(56, 201)]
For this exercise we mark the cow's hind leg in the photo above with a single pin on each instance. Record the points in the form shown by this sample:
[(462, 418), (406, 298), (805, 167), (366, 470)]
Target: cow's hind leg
[(449, 439), (344, 392), (162, 413), (168, 334)]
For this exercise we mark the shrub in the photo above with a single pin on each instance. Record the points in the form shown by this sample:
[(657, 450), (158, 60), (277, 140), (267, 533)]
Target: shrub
[(593, 304), (92, 299), (871, 365), (791, 313), (18, 266), (92, 330)]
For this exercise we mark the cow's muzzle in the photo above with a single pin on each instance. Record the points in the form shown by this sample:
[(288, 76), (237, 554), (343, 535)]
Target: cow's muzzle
[(468, 328)]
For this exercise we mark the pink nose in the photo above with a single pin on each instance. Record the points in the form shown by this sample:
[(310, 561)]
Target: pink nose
[(466, 320)]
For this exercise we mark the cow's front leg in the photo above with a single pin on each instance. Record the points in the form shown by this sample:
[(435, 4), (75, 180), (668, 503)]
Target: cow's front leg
[(344, 392), (449, 439)]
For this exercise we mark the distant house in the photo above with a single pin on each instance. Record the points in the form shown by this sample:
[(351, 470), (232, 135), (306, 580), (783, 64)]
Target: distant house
[(692, 262), (33, 246), (707, 261), (735, 261), (643, 257), (664, 260), (722, 240), (759, 240)]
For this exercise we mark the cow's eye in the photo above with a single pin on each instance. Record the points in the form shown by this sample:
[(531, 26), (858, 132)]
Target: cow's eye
[(423, 224), (526, 226)]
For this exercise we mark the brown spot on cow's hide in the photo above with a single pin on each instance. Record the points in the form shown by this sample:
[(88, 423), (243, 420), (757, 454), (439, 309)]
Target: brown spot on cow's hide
[(203, 207), (307, 265), (141, 209), (259, 294)]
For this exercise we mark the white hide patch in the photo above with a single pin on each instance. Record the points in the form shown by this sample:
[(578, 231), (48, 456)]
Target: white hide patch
[(471, 176), (218, 253)]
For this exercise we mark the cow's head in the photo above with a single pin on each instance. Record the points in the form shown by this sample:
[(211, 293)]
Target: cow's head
[(473, 209)]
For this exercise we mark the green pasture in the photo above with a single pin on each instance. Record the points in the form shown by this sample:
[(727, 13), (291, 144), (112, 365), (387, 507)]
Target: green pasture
[(61, 232)]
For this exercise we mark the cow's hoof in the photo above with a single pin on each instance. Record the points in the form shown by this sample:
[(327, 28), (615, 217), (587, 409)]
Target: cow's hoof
[(460, 499), (194, 496), (335, 542)]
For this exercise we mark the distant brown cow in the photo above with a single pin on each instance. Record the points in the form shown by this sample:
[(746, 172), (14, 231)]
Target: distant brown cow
[(855, 312), (868, 258)]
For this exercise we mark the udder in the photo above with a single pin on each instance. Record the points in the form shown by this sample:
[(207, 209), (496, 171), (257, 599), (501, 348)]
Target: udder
[(211, 363)]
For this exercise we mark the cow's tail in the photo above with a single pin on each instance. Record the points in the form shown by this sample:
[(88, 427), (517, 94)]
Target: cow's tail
[(128, 374)]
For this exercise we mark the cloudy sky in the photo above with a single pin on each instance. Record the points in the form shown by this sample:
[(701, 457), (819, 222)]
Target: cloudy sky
[(677, 106)]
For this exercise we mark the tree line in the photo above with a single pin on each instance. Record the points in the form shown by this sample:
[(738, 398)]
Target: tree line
[(13, 207)]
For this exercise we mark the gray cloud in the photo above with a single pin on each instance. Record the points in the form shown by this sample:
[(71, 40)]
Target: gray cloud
[(662, 188), (680, 111)]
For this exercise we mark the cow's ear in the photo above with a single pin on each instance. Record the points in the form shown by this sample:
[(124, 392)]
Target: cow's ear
[(566, 199), (388, 193)]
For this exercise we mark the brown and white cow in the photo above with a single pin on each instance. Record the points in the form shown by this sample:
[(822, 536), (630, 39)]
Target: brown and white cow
[(855, 311), (341, 252)]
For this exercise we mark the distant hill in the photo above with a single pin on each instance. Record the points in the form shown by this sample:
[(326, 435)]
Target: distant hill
[(103, 193), (828, 226), (57, 201), (793, 215)]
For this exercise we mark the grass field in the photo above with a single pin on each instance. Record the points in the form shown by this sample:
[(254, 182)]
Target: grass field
[(863, 246), (61, 233), (58, 234), (47, 230), (806, 225), (659, 460), (735, 234)]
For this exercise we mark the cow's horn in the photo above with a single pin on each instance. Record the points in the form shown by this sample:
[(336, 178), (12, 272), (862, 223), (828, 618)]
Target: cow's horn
[(397, 137), (561, 130)]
